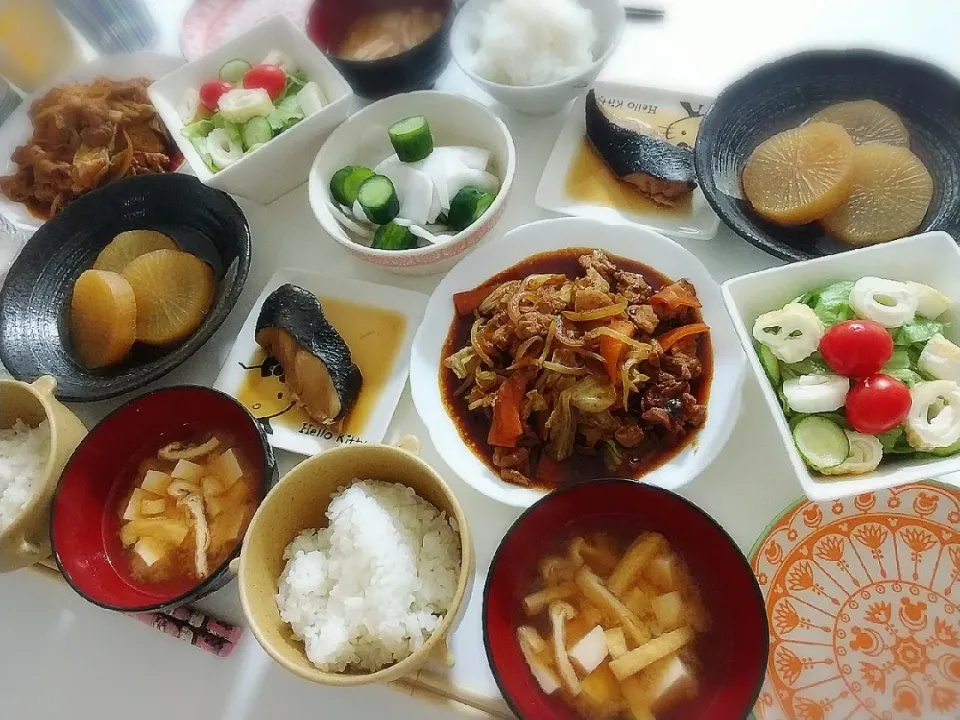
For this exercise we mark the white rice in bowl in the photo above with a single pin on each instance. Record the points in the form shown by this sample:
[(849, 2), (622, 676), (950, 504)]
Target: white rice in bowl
[(370, 588), (23, 457)]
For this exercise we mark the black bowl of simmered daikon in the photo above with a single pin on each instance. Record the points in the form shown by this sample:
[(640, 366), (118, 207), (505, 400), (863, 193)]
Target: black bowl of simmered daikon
[(384, 47), (154, 504), (123, 286)]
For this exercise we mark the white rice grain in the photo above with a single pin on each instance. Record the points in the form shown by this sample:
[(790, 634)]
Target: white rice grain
[(534, 42), (370, 588), (23, 458)]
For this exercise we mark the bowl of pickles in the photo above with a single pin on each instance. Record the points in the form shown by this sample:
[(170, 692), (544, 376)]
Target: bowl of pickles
[(411, 183)]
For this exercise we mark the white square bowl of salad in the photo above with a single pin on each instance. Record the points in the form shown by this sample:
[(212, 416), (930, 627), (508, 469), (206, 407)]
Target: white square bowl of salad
[(858, 359), (250, 116)]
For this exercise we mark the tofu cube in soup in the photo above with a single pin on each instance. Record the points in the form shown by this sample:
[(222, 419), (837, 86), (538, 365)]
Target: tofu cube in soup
[(662, 572), (590, 650), (228, 468), (186, 470), (150, 550), (134, 507), (669, 610), (668, 682), (156, 482), (153, 505)]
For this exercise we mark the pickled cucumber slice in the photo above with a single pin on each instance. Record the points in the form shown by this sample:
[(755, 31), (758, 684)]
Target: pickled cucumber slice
[(103, 318), (866, 121), (128, 246), (799, 175), (890, 196), (174, 291)]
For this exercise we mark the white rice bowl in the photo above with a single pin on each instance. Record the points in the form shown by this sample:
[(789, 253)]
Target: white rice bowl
[(534, 42), (23, 457), (369, 589)]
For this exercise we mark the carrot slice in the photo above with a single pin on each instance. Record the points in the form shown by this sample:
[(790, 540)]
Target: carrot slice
[(612, 349), (674, 296), (507, 427), (672, 337), (469, 300)]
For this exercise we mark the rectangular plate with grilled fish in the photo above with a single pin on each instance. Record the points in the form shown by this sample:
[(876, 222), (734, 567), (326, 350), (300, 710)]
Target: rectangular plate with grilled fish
[(638, 166), (340, 360)]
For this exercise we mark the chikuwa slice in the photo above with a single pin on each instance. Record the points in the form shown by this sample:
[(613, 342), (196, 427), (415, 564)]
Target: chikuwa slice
[(890, 195), (103, 318), (800, 175), (128, 246), (174, 291), (866, 121)]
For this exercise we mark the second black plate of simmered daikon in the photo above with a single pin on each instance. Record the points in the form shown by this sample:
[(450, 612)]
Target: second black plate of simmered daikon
[(785, 93)]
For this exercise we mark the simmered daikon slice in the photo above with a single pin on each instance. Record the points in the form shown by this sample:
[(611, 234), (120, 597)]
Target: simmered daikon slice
[(890, 196), (866, 121), (800, 175), (103, 318), (174, 291), (128, 246)]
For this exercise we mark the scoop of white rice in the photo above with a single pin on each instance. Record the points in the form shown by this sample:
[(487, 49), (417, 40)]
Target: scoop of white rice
[(534, 42), (23, 457), (371, 587)]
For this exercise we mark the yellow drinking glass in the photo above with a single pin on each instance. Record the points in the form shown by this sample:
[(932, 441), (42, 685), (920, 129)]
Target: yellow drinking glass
[(36, 44)]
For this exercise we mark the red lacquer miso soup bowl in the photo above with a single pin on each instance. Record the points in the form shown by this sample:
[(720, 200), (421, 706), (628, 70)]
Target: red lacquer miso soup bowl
[(729, 654), (91, 504)]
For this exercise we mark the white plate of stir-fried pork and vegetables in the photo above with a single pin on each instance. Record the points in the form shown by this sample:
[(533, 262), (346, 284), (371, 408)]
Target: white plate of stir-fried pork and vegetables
[(90, 127), (570, 350)]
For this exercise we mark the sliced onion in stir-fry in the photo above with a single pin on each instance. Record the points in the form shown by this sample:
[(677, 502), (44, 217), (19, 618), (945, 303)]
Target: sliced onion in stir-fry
[(475, 342), (587, 353), (563, 369), (625, 339), (532, 282), (616, 308), (548, 343), (565, 339), (518, 358)]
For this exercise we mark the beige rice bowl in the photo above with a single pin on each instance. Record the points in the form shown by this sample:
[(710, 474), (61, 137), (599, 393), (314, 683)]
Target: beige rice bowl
[(368, 590)]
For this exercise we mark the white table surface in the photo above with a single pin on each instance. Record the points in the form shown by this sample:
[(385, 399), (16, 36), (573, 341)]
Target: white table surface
[(62, 657)]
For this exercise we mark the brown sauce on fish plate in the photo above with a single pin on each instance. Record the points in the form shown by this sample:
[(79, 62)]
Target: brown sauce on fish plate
[(663, 413)]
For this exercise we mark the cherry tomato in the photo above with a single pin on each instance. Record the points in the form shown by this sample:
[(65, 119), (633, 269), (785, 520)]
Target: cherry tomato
[(211, 91), (856, 348), (269, 77), (877, 403)]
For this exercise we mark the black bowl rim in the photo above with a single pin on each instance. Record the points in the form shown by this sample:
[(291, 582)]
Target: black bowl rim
[(549, 497), (701, 159), (407, 54), (170, 361), (212, 581)]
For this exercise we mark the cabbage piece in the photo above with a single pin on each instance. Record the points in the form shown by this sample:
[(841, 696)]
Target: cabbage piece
[(464, 362), (593, 395), (562, 428)]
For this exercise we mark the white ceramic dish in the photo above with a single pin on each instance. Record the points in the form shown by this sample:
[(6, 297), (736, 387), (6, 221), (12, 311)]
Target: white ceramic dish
[(363, 140), (302, 436), (609, 18), (283, 163), (932, 258), (676, 115), (629, 241), (17, 129)]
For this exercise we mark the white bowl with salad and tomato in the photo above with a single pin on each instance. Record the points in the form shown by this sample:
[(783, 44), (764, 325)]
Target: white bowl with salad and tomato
[(858, 355), (414, 181), (250, 116)]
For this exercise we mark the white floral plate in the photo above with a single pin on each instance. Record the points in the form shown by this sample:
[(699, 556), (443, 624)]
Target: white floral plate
[(378, 323), (863, 599)]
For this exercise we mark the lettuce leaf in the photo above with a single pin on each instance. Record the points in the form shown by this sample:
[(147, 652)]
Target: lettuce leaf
[(832, 303), (233, 130), (905, 375), (295, 83), (917, 332), (813, 365), (200, 128), (285, 115)]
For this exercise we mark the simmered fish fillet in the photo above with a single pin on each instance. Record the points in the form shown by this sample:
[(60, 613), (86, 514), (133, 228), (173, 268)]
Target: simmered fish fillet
[(657, 168), (316, 362)]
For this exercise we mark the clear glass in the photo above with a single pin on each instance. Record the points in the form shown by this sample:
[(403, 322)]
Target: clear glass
[(36, 45), (112, 26)]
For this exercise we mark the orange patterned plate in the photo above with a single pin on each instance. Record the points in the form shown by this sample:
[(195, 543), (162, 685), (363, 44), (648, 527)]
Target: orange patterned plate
[(863, 598)]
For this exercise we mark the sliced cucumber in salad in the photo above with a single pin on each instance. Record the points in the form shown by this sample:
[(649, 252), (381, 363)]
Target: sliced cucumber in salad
[(770, 363), (256, 132), (822, 443), (233, 71)]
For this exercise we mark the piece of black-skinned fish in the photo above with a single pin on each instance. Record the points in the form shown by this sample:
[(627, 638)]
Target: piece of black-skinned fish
[(657, 168), (317, 364)]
